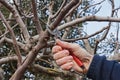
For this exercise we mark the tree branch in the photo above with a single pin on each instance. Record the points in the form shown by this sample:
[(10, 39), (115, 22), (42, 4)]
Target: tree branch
[(18, 19), (63, 4), (109, 25), (88, 18), (14, 39), (89, 7), (41, 43), (86, 37), (21, 45), (7, 31), (72, 10), (8, 59), (83, 19), (2, 40), (53, 72), (36, 19), (37, 68), (62, 13), (29, 59)]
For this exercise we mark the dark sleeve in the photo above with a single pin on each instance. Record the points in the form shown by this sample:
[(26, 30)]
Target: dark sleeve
[(102, 69)]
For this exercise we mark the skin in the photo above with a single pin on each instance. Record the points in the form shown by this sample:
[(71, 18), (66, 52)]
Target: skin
[(61, 53)]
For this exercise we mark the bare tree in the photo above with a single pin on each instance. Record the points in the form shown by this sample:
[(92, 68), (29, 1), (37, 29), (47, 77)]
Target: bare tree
[(31, 26)]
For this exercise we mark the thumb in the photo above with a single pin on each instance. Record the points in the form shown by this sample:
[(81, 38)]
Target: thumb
[(64, 44)]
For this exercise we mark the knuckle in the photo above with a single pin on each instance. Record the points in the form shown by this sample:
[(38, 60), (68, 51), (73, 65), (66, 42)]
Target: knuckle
[(70, 57), (65, 52), (56, 56), (60, 54), (58, 62), (64, 66), (67, 66), (56, 49)]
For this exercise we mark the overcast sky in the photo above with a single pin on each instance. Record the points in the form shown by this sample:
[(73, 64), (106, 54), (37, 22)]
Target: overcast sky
[(105, 11)]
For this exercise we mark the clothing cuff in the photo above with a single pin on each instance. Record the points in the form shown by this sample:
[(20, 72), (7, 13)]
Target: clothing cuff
[(95, 66)]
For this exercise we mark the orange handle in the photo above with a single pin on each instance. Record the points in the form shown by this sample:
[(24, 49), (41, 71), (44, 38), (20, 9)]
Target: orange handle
[(77, 60)]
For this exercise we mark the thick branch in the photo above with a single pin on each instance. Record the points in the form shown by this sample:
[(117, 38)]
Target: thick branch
[(29, 59), (72, 10)]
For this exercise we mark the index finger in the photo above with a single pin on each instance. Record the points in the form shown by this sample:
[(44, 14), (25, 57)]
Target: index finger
[(56, 49)]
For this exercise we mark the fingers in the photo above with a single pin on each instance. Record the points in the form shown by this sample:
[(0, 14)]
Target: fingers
[(64, 60), (56, 49), (62, 57), (61, 54), (67, 66)]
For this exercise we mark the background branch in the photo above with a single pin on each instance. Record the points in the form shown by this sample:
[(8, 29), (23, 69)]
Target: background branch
[(14, 39), (18, 19), (36, 19)]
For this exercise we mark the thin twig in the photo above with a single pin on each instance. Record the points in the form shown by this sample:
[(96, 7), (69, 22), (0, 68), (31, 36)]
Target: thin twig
[(87, 7), (21, 45), (109, 25), (36, 19), (6, 32), (63, 4), (88, 36)]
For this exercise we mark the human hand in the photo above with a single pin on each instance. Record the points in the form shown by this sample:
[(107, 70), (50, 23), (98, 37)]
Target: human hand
[(63, 58)]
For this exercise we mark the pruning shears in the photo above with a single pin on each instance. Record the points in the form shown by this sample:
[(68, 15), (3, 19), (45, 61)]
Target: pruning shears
[(55, 33)]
